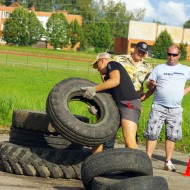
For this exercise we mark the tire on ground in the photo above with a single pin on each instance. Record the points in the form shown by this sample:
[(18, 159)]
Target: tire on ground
[(30, 120), (39, 139), (42, 162), (120, 160), (104, 181), (36, 120), (69, 126), (141, 183)]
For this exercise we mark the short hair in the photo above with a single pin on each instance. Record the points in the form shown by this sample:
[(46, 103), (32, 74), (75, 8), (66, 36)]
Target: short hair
[(175, 46)]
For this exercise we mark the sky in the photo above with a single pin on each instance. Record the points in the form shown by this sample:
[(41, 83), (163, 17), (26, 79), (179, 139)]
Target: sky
[(172, 13)]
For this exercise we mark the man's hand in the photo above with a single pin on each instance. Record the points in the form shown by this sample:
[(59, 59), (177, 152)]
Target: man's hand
[(143, 97), (151, 84), (147, 94), (92, 110), (90, 92)]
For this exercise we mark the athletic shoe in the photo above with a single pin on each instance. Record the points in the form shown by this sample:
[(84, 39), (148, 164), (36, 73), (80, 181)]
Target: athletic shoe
[(169, 166)]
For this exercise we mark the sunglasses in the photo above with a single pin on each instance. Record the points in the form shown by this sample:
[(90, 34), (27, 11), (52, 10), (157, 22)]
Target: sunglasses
[(172, 54)]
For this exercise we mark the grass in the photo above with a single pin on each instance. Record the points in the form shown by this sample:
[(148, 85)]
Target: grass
[(69, 54), (26, 86)]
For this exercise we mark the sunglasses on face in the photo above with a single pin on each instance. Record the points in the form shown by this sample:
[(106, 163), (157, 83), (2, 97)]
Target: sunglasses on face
[(172, 54)]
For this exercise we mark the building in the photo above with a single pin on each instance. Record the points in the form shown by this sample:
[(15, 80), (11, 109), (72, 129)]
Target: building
[(42, 17), (148, 32)]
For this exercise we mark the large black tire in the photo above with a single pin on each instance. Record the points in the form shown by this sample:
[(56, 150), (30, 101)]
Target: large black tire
[(39, 139), (36, 120), (122, 160), (30, 120), (42, 162), (69, 126), (141, 183), (105, 181)]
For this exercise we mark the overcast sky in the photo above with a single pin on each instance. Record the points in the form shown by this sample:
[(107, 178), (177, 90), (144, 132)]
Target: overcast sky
[(173, 13)]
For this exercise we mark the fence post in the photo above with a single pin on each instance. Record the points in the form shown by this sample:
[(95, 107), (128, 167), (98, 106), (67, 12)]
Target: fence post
[(47, 64), (68, 65), (88, 68), (27, 61), (7, 59)]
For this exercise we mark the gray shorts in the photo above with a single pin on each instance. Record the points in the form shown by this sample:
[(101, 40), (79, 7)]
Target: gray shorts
[(130, 110), (171, 117)]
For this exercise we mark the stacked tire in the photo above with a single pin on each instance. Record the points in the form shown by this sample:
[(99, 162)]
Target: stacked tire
[(51, 143), (120, 169)]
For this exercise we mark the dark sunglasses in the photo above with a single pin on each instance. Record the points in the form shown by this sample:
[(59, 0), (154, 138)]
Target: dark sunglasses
[(172, 54)]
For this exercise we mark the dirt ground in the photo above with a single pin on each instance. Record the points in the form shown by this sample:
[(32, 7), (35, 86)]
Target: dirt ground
[(176, 181)]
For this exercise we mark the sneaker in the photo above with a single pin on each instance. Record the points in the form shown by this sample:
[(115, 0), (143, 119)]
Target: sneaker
[(169, 166)]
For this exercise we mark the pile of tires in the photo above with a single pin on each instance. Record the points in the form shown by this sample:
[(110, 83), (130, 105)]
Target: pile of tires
[(120, 169), (36, 149), (51, 143)]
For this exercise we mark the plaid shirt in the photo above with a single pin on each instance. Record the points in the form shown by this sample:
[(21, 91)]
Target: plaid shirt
[(138, 73)]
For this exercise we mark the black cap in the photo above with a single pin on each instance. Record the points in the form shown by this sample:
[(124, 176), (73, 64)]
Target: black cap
[(142, 46)]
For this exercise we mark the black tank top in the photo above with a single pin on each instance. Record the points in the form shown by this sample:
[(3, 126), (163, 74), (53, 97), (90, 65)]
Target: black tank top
[(125, 90)]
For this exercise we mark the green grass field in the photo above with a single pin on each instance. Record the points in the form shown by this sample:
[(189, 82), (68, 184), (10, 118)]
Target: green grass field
[(27, 80)]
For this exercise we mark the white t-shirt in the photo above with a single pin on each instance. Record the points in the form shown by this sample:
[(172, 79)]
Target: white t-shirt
[(170, 84)]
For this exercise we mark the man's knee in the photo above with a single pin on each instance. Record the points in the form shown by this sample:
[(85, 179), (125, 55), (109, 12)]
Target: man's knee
[(174, 139), (152, 137)]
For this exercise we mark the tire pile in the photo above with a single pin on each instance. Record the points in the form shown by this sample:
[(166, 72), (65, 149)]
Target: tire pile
[(35, 149), (120, 169), (51, 143)]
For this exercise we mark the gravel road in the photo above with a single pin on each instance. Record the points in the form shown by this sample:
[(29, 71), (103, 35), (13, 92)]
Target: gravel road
[(175, 180)]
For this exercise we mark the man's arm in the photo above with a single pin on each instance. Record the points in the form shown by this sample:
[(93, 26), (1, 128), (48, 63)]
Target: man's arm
[(186, 90), (113, 81), (147, 94)]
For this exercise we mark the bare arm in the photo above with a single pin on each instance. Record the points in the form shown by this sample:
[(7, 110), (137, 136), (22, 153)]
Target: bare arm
[(147, 94), (112, 82), (186, 90)]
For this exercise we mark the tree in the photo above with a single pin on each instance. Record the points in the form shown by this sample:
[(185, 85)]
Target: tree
[(183, 50), (88, 10), (15, 27), (22, 28), (74, 33), (6, 2), (57, 30), (40, 5), (115, 14), (35, 29), (159, 49), (118, 17), (187, 24), (101, 38)]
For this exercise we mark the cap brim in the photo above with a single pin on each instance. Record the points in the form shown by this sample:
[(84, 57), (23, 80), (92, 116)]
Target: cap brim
[(94, 64), (142, 50)]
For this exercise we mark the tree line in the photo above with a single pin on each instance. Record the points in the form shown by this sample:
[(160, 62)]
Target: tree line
[(23, 28), (100, 25)]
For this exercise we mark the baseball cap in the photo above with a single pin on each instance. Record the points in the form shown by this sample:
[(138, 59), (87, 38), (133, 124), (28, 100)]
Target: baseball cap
[(142, 46), (102, 55)]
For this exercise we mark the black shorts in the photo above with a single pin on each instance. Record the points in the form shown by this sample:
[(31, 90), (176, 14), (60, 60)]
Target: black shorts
[(130, 110)]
